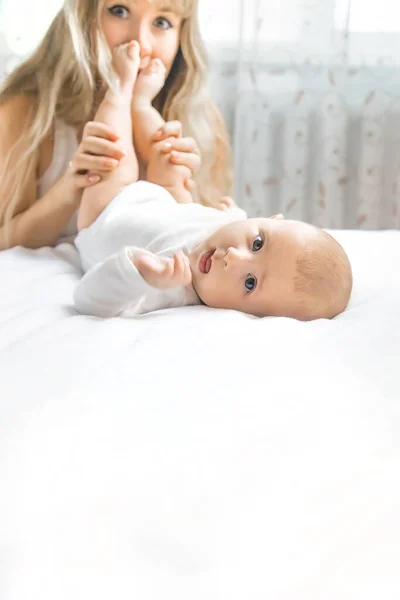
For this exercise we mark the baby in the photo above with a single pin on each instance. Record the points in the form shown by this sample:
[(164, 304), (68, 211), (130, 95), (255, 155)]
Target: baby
[(147, 245)]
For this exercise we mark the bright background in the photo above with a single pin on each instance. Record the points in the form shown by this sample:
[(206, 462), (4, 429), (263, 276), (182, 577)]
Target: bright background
[(310, 91)]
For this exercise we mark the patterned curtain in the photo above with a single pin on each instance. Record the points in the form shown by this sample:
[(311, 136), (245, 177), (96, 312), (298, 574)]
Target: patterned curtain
[(310, 90)]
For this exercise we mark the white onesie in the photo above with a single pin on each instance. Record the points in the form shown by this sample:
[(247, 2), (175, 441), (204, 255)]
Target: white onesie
[(143, 217)]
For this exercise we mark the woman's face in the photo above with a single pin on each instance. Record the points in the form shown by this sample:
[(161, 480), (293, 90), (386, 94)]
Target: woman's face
[(157, 31)]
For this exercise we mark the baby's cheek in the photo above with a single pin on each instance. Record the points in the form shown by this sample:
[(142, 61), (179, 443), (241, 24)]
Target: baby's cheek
[(208, 291), (221, 291)]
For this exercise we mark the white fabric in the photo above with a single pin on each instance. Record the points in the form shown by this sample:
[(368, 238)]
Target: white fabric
[(199, 454), (65, 145), (143, 217)]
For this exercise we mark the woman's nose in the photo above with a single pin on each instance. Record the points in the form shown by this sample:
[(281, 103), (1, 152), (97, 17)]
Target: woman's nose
[(143, 36)]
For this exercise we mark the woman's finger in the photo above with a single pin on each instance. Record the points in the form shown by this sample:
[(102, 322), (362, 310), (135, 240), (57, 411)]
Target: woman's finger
[(84, 181), (88, 162), (190, 160), (169, 129), (94, 128), (186, 144), (102, 147)]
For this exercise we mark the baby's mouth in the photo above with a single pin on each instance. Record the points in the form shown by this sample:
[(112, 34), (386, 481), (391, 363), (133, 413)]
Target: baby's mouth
[(205, 261)]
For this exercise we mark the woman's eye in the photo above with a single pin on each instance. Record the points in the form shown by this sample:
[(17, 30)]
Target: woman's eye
[(118, 11), (258, 243), (250, 283), (162, 23)]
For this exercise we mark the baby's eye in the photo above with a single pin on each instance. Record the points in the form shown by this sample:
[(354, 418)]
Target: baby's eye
[(258, 243), (250, 283), (118, 11)]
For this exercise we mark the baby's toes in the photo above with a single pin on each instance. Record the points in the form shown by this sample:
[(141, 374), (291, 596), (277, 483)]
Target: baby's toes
[(158, 67), (147, 70), (121, 49), (155, 67), (116, 51), (133, 50)]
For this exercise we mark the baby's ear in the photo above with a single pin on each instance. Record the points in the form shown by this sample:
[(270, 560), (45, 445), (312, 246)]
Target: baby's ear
[(280, 216)]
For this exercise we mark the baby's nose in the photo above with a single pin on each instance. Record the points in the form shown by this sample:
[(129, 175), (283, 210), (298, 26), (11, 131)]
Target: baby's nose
[(235, 256)]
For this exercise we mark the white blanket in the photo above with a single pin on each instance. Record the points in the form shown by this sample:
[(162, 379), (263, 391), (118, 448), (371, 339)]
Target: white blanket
[(199, 454)]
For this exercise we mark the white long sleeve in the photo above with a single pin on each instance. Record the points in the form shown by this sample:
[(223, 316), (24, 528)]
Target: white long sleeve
[(115, 287), (143, 218)]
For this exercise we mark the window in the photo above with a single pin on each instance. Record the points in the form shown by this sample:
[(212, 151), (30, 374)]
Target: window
[(285, 28), (379, 16), (374, 29), (24, 23)]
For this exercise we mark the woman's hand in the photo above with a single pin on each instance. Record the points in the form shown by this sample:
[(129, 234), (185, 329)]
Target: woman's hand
[(97, 154), (182, 150)]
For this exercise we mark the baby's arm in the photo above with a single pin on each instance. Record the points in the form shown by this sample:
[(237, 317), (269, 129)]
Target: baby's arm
[(115, 111), (146, 121), (132, 282)]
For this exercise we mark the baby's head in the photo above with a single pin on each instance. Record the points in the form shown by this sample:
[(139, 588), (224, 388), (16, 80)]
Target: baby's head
[(272, 267)]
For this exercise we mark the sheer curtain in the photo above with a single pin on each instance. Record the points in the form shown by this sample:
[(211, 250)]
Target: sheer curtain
[(310, 90)]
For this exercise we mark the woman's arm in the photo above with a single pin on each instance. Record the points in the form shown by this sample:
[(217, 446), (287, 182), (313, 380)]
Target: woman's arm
[(39, 222), (35, 223), (42, 223)]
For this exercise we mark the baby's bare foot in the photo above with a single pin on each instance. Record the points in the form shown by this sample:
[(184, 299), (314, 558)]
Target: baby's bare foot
[(225, 203), (149, 82), (126, 61)]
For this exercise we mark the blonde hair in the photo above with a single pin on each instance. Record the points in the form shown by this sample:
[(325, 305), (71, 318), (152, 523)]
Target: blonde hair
[(323, 280), (61, 79)]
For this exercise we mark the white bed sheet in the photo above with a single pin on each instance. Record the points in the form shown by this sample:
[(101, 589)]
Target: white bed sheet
[(199, 454)]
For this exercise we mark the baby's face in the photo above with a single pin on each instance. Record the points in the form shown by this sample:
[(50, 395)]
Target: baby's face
[(250, 266)]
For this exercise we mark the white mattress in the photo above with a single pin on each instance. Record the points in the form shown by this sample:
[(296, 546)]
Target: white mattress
[(199, 454)]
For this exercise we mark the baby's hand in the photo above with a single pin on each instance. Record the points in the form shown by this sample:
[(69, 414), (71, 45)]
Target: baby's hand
[(164, 273)]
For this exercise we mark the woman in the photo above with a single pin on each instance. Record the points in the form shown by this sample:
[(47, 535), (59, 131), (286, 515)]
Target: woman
[(46, 105)]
